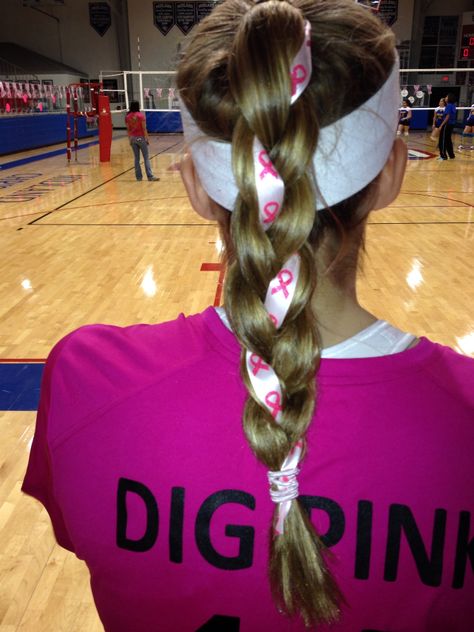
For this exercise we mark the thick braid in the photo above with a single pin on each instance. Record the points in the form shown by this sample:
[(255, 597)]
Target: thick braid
[(236, 80), (270, 286)]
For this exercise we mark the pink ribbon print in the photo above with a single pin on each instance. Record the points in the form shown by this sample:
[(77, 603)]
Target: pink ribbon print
[(270, 186), (281, 290), (302, 66)]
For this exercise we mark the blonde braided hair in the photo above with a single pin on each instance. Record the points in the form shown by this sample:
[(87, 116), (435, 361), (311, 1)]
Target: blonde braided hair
[(235, 81)]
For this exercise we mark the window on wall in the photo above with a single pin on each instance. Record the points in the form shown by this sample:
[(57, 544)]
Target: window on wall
[(438, 46)]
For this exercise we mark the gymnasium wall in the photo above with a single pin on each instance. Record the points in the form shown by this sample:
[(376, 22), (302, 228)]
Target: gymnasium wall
[(403, 25), (157, 51), (453, 7), (82, 47)]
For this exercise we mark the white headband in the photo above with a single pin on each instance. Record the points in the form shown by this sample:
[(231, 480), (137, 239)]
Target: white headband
[(351, 152)]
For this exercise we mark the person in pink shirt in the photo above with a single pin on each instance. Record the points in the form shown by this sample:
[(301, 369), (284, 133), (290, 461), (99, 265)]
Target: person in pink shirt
[(139, 141), (287, 461)]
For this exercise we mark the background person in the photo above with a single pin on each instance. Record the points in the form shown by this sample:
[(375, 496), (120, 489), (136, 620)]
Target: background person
[(437, 120), (446, 129), (405, 115), (468, 131), (139, 141)]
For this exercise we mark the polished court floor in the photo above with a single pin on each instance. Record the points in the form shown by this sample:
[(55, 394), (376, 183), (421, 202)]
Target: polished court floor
[(86, 243)]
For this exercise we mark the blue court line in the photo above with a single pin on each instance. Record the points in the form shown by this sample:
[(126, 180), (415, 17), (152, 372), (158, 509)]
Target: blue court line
[(20, 386), (48, 154)]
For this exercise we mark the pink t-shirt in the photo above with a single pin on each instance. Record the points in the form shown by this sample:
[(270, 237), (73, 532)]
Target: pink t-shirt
[(135, 122), (140, 458)]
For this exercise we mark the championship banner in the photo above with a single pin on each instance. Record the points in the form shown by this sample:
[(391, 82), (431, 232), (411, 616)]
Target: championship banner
[(100, 17), (203, 9), (185, 14), (389, 11), (163, 16)]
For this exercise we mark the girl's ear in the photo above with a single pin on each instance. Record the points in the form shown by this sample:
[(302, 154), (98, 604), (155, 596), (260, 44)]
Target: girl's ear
[(198, 197), (391, 177)]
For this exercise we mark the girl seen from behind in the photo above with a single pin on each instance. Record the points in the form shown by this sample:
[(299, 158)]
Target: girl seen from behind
[(139, 140), (157, 446)]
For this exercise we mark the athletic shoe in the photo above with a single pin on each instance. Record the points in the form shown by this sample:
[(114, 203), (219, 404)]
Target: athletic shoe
[(441, 158), (154, 179)]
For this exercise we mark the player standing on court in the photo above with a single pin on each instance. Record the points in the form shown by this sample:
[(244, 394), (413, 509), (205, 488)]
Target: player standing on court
[(446, 129), (468, 131), (437, 119), (139, 141), (405, 115)]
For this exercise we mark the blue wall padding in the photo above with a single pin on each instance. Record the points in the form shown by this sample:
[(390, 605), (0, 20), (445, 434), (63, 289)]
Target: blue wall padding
[(18, 133), (164, 122)]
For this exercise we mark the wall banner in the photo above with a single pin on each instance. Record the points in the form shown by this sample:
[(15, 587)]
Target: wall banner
[(163, 16), (389, 11), (100, 17), (185, 13), (203, 9)]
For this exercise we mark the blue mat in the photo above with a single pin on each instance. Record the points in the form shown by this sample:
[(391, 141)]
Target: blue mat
[(20, 386)]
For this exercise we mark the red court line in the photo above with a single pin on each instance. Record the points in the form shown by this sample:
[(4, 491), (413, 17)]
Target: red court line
[(23, 361), (387, 208), (216, 267), (211, 267)]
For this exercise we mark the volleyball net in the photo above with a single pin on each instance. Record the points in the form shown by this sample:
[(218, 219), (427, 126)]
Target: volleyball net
[(156, 91)]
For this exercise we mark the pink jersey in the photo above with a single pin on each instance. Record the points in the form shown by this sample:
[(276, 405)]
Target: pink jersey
[(135, 122), (140, 458)]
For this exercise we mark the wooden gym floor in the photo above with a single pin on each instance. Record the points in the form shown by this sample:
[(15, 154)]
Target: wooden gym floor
[(86, 243)]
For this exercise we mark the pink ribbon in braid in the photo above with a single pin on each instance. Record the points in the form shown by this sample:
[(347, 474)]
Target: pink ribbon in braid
[(266, 385), (270, 186)]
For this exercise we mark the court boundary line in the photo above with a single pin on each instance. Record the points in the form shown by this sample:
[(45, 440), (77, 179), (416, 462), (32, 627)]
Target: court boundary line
[(2, 219), (174, 197), (214, 225), (58, 208), (49, 154), (22, 361), (401, 206)]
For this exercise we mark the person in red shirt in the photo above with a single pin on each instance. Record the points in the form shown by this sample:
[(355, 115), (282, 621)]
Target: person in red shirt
[(139, 141)]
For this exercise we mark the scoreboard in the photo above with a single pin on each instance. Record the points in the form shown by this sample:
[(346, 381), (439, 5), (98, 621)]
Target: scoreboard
[(467, 42)]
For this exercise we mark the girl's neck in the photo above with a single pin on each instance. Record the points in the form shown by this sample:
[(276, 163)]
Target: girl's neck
[(339, 314)]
